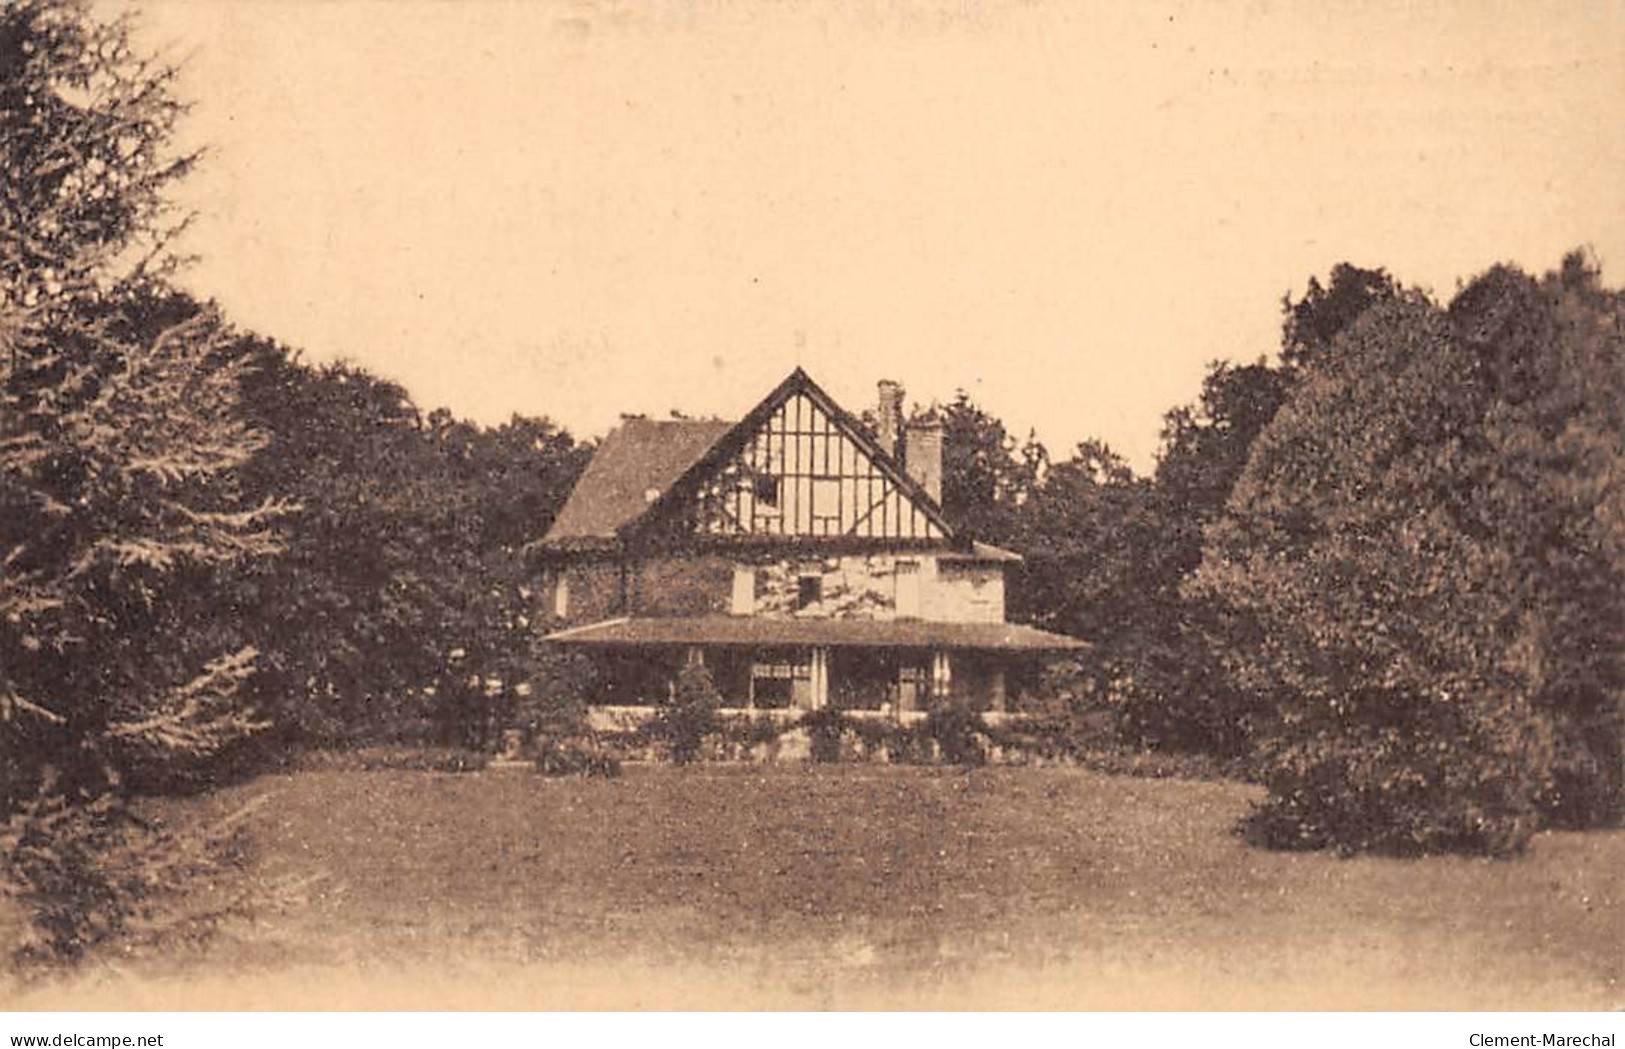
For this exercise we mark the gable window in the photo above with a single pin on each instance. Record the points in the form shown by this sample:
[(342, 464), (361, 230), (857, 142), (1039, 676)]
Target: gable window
[(809, 591), (766, 490)]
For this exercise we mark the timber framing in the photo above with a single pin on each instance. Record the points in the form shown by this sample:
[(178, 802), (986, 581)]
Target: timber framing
[(881, 467)]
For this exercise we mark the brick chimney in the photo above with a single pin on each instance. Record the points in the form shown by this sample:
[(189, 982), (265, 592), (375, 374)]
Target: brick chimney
[(922, 455), (889, 417)]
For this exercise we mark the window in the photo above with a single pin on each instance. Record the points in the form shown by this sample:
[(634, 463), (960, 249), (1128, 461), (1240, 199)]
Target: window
[(561, 597), (809, 591), (771, 693), (781, 680), (913, 686), (765, 488)]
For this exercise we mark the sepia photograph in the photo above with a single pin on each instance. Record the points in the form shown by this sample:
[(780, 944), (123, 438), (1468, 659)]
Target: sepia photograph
[(541, 506)]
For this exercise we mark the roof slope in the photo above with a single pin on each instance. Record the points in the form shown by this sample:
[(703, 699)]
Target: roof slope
[(640, 456), (866, 633)]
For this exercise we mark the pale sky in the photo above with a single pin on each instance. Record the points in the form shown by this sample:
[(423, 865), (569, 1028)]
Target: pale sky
[(578, 209)]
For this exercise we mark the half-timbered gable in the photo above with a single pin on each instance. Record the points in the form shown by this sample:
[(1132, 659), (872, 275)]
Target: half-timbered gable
[(803, 471), (798, 467)]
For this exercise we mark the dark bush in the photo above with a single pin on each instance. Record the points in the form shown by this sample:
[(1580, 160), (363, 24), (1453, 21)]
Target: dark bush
[(394, 758), (691, 715), (583, 756), (958, 732), (1439, 782), (751, 731), (824, 731)]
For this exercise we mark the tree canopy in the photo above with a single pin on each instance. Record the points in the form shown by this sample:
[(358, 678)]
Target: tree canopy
[(1422, 564)]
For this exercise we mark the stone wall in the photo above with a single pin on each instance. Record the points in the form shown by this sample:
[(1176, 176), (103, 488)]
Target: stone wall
[(852, 587), (966, 592)]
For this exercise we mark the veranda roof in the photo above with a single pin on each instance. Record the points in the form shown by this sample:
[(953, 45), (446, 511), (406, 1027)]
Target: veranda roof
[(835, 633)]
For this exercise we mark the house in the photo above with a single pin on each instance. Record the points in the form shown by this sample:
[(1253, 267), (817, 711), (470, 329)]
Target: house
[(804, 559)]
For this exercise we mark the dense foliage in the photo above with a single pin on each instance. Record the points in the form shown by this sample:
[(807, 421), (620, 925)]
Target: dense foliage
[(1422, 565), (401, 608)]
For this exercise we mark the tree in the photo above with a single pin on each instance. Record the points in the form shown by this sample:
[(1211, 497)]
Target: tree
[(1180, 694), (341, 614), (1311, 324), (1101, 563), (402, 597), (1417, 531), (1206, 446), (1552, 353), (985, 476), (119, 441)]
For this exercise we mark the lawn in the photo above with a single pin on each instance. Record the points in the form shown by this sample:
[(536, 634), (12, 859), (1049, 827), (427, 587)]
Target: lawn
[(866, 886)]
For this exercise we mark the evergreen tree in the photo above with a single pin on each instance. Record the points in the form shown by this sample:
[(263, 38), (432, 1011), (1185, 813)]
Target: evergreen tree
[(119, 438)]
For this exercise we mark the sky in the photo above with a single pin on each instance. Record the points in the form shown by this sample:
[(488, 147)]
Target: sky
[(578, 208)]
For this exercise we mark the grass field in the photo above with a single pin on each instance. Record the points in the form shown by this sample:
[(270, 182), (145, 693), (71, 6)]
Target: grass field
[(866, 886)]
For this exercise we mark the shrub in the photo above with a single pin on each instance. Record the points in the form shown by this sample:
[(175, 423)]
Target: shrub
[(1163, 764), (825, 728), (957, 731), (900, 743), (738, 736), (1400, 789), (556, 735), (690, 716), (576, 757), (1045, 737)]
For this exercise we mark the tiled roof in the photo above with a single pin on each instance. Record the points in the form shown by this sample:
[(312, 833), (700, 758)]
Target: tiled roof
[(639, 457), (752, 631)]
